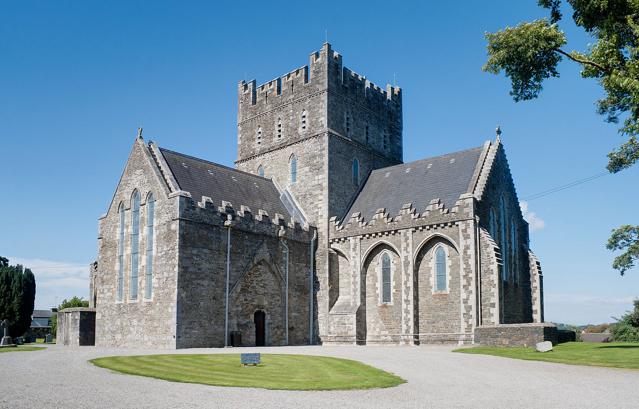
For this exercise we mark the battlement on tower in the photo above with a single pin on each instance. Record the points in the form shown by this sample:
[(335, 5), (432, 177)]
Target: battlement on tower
[(324, 71)]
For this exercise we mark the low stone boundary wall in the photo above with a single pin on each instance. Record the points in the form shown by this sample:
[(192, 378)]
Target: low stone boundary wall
[(76, 327), (516, 334)]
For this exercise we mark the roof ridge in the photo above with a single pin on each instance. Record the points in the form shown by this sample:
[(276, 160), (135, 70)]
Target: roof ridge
[(213, 163), (427, 159)]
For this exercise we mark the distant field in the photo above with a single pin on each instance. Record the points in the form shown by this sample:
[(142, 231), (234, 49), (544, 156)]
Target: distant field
[(614, 354), (21, 348), (291, 372)]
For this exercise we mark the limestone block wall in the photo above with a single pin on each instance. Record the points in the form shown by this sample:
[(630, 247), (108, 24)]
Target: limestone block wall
[(417, 312), (526, 335), (536, 287), (76, 327), (257, 276), (500, 215), (140, 322)]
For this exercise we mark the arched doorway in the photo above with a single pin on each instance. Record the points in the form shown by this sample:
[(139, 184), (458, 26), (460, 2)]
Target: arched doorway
[(259, 318)]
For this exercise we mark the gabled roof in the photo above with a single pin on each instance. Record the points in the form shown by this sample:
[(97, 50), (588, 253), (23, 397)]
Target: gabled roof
[(443, 177), (42, 314), (203, 178)]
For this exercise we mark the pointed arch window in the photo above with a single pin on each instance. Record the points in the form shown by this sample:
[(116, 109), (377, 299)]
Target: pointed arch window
[(513, 251), (260, 170), (441, 272), (386, 278), (503, 237), (135, 245), (120, 287), (150, 221), (492, 224), (293, 166), (356, 172)]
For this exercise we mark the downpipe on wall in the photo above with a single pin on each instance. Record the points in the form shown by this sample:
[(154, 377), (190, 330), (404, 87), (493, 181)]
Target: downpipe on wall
[(281, 234), (228, 223), (311, 288)]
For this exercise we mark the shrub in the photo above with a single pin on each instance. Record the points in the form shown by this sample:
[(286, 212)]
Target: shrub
[(627, 328)]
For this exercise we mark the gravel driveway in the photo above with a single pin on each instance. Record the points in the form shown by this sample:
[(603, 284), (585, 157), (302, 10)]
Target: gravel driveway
[(61, 377)]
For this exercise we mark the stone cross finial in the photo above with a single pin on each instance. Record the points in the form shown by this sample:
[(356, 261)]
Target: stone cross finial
[(498, 131), (5, 327), (140, 132)]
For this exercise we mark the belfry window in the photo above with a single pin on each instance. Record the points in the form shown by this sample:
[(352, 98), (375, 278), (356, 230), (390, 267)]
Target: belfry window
[(356, 172), (293, 165), (260, 170), (150, 219), (440, 269), (135, 245), (258, 135), (303, 120), (279, 128), (120, 287), (386, 278)]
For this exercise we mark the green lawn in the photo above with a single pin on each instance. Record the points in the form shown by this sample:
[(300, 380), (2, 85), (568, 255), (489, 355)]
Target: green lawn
[(292, 372), (615, 354), (21, 348)]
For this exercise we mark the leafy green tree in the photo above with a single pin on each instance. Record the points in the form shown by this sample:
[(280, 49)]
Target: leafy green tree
[(73, 302), (627, 328), (529, 53), (17, 296)]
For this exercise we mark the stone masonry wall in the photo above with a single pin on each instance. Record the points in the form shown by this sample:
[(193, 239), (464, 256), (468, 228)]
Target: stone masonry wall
[(138, 322), (257, 277), (526, 335), (76, 327), (514, 285)]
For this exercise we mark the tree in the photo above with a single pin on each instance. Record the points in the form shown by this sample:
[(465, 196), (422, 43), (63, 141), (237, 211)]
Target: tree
[(627, 328), (530, 53), (17, 296), (73, 302)]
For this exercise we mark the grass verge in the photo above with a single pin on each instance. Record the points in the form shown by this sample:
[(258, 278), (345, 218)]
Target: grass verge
[(288, 372), (21, 348), (615, 354)]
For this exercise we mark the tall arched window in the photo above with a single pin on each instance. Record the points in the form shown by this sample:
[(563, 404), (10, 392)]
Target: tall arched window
[(150, 219), (356, 172), (513, 251), (492, 224), (386, 278), (503, 243), (120, 288), (135, 245), (440, 269), (260, 170), (293, 165)]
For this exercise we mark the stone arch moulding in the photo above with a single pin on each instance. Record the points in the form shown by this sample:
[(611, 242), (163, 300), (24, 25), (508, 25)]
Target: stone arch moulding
[(375, 245), (430, 238), (261, 255)]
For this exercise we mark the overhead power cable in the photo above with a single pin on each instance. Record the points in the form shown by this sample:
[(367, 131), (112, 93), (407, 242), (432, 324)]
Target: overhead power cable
[(564, 187)]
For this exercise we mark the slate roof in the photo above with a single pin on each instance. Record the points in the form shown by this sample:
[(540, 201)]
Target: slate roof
[(203, 178), (445, 177), (42, 314)]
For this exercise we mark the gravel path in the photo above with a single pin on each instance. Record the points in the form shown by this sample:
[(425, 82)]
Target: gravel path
[(61, 377)]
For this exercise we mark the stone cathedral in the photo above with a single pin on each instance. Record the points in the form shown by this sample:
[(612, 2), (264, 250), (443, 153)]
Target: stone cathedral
[(319, 234)]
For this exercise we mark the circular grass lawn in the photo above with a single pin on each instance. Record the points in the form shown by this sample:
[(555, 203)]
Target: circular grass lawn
[(292, 372)]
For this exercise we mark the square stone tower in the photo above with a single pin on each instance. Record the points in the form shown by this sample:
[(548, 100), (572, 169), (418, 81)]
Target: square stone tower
[(318, 132)]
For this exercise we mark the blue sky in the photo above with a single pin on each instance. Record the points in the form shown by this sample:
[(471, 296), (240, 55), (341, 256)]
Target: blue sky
[(78, 78)]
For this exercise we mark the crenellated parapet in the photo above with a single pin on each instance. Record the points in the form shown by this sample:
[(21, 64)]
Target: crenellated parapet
[(434, 215), (242, 218)]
